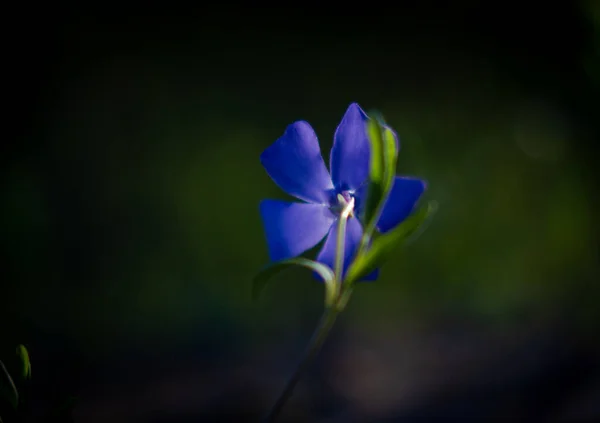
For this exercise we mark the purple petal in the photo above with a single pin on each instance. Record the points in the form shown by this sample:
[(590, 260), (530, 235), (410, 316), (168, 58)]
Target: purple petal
[(293, 228), (353, 234), (350, 154), (360, 196), (401, 201), (371, 276), (295, 163)]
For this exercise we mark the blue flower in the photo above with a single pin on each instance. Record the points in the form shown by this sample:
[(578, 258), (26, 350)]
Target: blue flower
[(295, 163)]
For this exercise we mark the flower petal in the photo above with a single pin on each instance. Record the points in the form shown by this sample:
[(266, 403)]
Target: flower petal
[(350, 154), (295, 163), (371, 276), (354, 232), (293, 228), (401, 201), (360, 196)]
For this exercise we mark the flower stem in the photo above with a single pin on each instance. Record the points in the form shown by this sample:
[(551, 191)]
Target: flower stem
[(13, 388), (338, 302), (317, 340), (340, 252)]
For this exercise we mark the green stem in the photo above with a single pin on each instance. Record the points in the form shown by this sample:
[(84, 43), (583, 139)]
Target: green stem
[(340, 251), (336, 304), (317, 340), (369, 230), (15, 393)]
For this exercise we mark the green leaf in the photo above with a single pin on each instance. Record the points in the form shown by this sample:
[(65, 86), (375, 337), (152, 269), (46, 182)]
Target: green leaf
[(384, 156), (261, 280), (375, 190), (384, 245), (390, 158), (377, 165), (25, 363), (7, 386)]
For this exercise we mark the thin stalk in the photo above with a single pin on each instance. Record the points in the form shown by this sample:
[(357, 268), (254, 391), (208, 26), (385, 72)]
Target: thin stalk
[(328, 318), (340, 252), (15, 393), (317, 340)]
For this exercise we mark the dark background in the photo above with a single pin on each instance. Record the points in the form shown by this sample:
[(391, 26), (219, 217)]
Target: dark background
[(130, 228)]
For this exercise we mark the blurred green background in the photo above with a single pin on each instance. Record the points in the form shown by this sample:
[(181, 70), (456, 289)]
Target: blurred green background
[(130, 227)]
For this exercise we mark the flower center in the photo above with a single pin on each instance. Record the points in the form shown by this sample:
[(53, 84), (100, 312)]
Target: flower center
[(344, 205)]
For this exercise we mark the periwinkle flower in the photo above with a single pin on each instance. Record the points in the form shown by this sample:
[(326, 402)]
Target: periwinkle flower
[(296, 165)]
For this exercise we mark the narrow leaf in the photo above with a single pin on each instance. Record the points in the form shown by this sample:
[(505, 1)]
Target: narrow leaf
[(390, 158), (7, 386), (384, 245), (261, 280), (384, 156), (25, 363), (376, 169), (375, 190)]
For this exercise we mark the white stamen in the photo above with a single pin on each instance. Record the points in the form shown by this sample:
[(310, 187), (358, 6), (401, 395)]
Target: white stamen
[(348, 208)]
